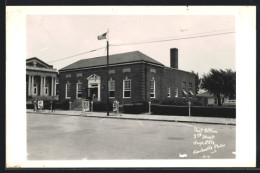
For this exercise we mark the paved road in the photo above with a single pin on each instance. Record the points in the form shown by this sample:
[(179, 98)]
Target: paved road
[(57, 137)]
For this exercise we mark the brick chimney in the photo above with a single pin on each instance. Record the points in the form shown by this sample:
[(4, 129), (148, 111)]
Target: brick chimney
[(174, 57)]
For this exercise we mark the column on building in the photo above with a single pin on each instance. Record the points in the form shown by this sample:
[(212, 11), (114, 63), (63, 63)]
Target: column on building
[(32, 86), (41, 87), (29, 85), (52, 81), (44, 81), (54, 86)]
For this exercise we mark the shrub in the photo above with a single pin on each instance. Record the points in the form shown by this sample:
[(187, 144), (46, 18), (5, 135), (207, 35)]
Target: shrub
[(198, 111), (99, 106), (175, 101), (197, 103), (136, 108)]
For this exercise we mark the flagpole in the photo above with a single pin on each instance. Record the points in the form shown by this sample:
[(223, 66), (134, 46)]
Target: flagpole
[(107, 77)]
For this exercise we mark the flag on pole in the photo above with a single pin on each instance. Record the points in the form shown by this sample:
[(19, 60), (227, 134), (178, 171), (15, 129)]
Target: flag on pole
[(103, 36)]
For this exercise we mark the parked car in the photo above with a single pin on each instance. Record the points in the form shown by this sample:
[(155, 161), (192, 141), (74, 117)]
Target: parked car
[(229, 103)]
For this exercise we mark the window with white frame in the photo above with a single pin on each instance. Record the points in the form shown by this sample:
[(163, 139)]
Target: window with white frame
[(67, 92), (152, 88), (127, 88), (168, 91), (111, 87), (79, 90), (176, 92)]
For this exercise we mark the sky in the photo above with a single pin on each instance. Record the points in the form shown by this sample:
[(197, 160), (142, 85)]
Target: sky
[(54, 37)]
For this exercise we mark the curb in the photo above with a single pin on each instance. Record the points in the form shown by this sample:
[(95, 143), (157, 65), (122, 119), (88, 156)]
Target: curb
[(126, 118)]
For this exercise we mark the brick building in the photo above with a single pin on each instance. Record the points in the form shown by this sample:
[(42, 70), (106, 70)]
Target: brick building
[(41, 79), (133, 77)]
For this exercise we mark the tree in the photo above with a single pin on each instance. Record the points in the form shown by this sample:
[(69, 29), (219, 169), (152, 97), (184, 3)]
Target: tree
[(220, 83), (197, 81)]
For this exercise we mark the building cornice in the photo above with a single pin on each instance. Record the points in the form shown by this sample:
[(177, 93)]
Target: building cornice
[(41, 69), (111, 65)]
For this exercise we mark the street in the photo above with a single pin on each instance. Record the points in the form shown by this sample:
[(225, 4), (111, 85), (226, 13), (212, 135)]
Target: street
[(58, 137)]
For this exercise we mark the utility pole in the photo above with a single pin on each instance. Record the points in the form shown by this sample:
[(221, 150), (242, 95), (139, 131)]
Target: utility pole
[(107, 78)]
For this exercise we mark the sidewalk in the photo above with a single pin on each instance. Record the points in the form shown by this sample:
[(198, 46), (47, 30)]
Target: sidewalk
[(206, 120)]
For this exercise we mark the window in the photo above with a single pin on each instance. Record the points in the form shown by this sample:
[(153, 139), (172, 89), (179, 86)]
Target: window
[(190, 90), (168, 91), (126, 70), (67, 93), (176, 92), (190, 93), (190, 86), (183, 86), (79, 74), (68, 75), (152, 88), (79, 90), (46, 90), (184, 93), (215, 101), (111, 72), (127, 88), (34, 89), (152, 70), (111, 87)]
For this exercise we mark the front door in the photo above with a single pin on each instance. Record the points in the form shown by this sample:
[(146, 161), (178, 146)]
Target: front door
[(93, 93)]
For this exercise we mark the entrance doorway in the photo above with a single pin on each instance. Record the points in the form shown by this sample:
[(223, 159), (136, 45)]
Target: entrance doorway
[(93, 93), (94, 87)]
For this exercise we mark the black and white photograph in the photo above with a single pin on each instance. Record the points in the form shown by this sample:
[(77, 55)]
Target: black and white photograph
[(131, 86)]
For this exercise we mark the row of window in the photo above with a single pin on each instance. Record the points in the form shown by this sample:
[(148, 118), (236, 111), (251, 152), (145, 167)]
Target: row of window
[(184, 93), (127, 89), (35, 89), (111, 87), (112, 71)]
